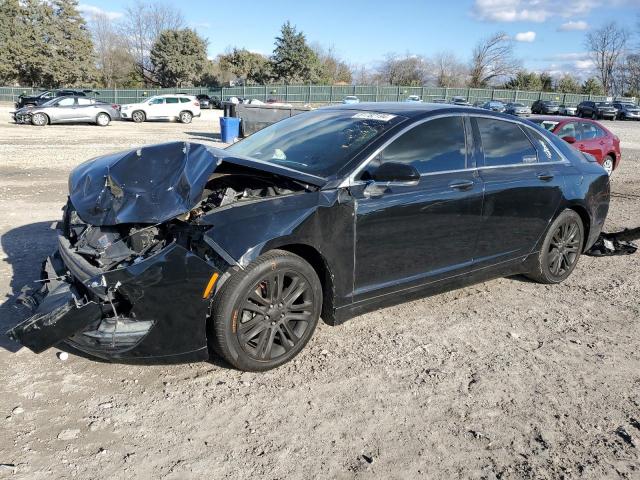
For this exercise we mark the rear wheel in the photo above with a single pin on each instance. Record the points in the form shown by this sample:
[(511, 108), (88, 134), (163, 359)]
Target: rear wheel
[(266, 313), (560, 250), (608, 164), (185, 117), (103, 119), (138, 116), (39, 119)]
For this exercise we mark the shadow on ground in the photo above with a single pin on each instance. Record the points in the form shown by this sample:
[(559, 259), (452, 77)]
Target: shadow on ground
[(211, 136), (25, 247)]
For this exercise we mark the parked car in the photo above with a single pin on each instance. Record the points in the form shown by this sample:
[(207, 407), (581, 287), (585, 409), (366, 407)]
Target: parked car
[(567, 110), (163, 107), (350, 99), (627, 110), (413, 98), (168, 249), (69, 110), (494, 106), (34, 100), (547, 107), (460, 101), (518, 109), (596, 110), (587, 136), (205, 101)]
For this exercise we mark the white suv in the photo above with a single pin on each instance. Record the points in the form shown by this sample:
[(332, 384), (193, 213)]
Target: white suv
[(163, 107)]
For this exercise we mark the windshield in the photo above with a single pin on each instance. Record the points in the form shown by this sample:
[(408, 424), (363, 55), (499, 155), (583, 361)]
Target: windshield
[(517, 105), (605, 104), (546, 124), (627, 105), (319, 142)]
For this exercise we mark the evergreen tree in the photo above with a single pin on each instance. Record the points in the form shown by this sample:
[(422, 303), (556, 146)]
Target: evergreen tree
[(248, 66), (568, 84), (37, 24), (12, 38), (592, 86), (179, 57), (293, 60), (73, 60)]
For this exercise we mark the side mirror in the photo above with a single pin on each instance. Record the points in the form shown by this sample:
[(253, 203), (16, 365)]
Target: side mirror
[(569, 139), (392, 172)]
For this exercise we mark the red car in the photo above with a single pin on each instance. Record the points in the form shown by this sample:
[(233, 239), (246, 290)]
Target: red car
[(587, 136)]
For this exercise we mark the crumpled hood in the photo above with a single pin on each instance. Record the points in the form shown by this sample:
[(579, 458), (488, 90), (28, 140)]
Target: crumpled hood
[(154, 184)]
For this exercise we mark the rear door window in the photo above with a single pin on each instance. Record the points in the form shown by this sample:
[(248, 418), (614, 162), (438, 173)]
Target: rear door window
[(186, 100), (172, 100), (568, 130), (504, 143), (591, 131), (433, 146), (85, 101)]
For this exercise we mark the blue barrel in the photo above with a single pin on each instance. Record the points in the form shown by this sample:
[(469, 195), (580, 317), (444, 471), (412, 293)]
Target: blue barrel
[(229, 129)]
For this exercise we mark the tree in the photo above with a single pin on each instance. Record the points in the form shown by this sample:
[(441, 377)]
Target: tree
[(524, 80), (293, 60), (449, 71), (568, 84), (492, 58), (12, 40), (407, 70), (143, 22), (178, 58), (331, 69), (249, 67), (115, 64), (606, 45), (72, 62), (592, 86), (546, 82), (37, 25)]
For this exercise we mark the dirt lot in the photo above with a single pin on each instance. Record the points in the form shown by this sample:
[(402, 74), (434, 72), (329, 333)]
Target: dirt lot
[(507, 379)]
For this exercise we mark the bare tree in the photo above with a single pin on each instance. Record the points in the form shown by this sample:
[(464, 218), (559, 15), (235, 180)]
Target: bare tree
[(449, 71), (115, 63), (492, 58), (606, 45), (406, 70), (143, 22)]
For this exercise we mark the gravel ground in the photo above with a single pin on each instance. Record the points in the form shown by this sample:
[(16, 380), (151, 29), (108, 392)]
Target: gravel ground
[(506, 379)]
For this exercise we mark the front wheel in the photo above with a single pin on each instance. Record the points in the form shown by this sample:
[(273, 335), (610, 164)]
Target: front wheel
[(138, 116), (39, 119), (266, 313), (560, 250)]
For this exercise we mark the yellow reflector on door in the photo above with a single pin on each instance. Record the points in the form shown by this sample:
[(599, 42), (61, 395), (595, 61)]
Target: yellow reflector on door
[(210, 285)]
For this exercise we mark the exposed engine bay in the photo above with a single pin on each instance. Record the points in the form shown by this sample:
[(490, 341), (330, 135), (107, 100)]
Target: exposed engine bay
[(107, 247)]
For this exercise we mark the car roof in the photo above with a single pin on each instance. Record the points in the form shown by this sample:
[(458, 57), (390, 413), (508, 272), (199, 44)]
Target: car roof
[(405, 109), (561, 119)]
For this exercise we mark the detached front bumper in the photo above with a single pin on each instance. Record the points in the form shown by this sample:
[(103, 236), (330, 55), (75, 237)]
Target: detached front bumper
[(149, 312)]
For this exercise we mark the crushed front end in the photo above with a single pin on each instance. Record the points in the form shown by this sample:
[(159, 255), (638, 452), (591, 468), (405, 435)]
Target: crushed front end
[(125, 293)]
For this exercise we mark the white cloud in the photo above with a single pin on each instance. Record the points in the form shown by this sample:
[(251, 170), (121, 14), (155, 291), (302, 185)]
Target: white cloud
[(531, 10), (91, 11), (572, 26), (584, 64), (525, 37)]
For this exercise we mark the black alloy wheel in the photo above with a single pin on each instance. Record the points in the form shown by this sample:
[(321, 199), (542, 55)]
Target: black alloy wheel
[(265, 314), (560, 250)]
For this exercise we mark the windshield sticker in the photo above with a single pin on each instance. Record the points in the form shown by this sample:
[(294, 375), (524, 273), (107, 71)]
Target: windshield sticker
[(382, 117)]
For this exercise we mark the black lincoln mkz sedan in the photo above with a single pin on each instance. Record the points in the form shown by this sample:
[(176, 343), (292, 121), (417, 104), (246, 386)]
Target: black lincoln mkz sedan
[(171, 251)]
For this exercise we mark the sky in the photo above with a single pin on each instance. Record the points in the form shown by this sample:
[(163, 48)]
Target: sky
[(549, 34)]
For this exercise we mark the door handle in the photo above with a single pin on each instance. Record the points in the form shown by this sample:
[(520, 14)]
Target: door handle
[(545, 176), (461, 185)]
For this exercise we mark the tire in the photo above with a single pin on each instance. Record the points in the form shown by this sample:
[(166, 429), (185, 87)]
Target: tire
[(138, 116), (102, 119), (565, 236), (608, 163), (268, 333), (39, 119), (185, 117)]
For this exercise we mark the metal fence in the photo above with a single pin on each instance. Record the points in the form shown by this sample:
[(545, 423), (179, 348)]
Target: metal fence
[(325, 94)]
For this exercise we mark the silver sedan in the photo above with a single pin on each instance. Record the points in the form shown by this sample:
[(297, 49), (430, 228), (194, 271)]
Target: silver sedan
[(69, 110)]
